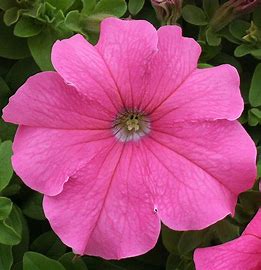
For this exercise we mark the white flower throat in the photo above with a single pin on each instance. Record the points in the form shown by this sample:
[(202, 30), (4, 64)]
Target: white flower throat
[(131, 125)]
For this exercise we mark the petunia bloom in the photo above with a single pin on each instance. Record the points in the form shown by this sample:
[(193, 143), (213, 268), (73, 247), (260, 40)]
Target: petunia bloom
[(243, 253), (129, 133)]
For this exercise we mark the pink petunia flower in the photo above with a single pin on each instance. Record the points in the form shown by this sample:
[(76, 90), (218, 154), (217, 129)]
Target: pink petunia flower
[(243, 253), (129, 133)]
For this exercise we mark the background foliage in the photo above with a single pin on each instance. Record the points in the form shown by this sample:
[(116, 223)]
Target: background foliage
[(28, 28)]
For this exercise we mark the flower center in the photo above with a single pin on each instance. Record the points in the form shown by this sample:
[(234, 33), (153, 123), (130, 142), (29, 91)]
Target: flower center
[(131, 125)]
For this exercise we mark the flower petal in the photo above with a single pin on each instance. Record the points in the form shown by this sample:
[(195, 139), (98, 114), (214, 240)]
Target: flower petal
[(208, 94), (46, 101), (175, 60), (106, 209), (127, 47), (199, 169), (46, 158), (243, 253), (81, 65)]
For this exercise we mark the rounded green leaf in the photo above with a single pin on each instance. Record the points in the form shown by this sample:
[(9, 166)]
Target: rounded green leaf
[(135, 6), (6, 258), (257, 17), (223, 230), (40, 47), (33, 207), (72, 262), (6, 4), (11, 16), (243, 50), (7, 132), (20, 71), (210, 6), (36, 261), (238, 28), (256, 53), (61, 4), (12, 47), (179, 263), (111, 7), (189, 241), (5, 208), (11, 228), (6, 170), (213, 38), (194, 15), (4, 89), (255, 88), (4, 93), (170, 239), (72, 21), (88, 6), (49, 244), (27, 27), (23, 246), (8, 236), (204, 65)]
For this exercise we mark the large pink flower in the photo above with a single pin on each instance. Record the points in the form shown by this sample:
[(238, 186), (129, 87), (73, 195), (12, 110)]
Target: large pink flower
[(129, 133), (243, 253)]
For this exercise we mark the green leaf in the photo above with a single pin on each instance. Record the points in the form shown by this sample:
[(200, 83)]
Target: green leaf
[(8, 236), (40, 47), (22, 247), (224, 231), (33, 207), (6, 258), (27, 27), (238, 28), (6, 170), (11, 16), (256, 112), (135, 6), (7, 132), (111, 7), (6, 4), (61, 4), (88, 6), (243, 50), (204, 65), (194, 15), (4, 92), (223, 58), (213, 38), (257, 17), (210, 6), (179, 263), (72, 262), (255, 88), (251, 200), (49, 244), (73, 21), (36, 261), (11, 47), (4, 89), (252, 119), (259, 168), (11, 228), (5, 208), (170, 239), (189, 241), (256, 53), (20, 72)]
